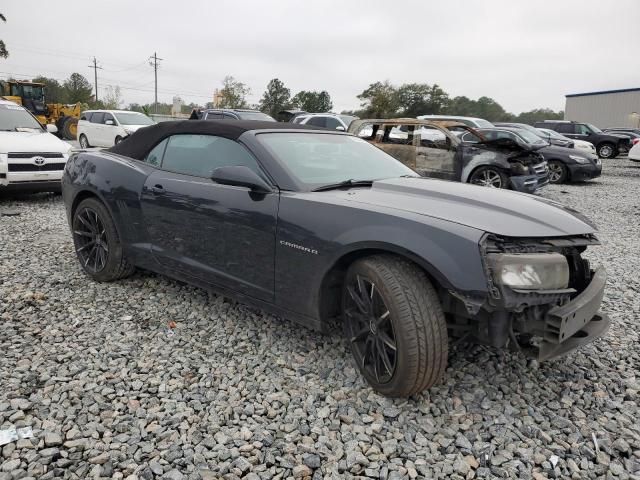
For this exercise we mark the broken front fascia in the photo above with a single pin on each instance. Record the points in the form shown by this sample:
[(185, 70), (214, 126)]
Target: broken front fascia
[(516, 153), (541, 323)]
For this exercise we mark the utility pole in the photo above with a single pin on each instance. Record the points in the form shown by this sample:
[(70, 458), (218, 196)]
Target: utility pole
[(153, 61), (95, 74)]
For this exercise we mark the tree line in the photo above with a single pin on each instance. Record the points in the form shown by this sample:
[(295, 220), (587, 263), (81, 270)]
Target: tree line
[(385, 100), (378, 100)]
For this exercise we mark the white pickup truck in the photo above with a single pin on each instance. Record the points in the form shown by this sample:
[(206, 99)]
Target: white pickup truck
[(31, 157)]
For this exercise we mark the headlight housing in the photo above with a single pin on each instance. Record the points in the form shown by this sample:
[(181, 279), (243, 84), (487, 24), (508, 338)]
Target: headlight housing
[(530, 271), (129, 131), (519, 168), (579, 159)]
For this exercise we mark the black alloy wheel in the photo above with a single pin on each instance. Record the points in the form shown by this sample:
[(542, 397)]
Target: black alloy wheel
[(91, 237), (97, 243), (370, 329), (394, 325)]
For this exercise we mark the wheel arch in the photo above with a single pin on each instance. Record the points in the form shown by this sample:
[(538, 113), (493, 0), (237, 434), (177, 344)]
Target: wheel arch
[(567, 170), (331, 282), (469, 173), (89, 193)]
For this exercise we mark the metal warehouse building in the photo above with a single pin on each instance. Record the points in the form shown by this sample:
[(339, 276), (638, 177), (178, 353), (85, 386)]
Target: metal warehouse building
[(611, 108)]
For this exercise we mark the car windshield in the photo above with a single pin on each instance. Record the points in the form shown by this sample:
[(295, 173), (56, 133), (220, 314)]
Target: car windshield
[(483, 123), (530, 137), (14, 118), (133, 118), (317, 159), (347, 119), (551, 134), (255, 116), (594, 128)]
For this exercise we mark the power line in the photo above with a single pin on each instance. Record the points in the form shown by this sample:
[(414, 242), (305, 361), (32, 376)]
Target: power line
[(95, 73), (155, 70)]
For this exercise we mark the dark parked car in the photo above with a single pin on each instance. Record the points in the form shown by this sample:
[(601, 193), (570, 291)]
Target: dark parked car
[(608, 145), (632, 134), (557, 141), (434, 149), (565, 164), (316, 225), (230, 114), (622, 130)]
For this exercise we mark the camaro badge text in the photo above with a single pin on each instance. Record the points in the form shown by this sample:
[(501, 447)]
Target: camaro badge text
[(298, 247)]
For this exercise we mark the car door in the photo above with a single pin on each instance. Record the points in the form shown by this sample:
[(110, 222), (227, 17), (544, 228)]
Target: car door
[(223, 235), (94, 130), (436, 154), (109, 131), (583, 132), (568, 130), (398, 141)]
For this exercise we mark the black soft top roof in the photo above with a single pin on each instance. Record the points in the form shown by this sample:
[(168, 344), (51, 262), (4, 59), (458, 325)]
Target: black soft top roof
[(142, 141)]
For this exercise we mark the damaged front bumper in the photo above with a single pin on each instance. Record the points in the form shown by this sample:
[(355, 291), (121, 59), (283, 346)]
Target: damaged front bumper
[(576, 323)]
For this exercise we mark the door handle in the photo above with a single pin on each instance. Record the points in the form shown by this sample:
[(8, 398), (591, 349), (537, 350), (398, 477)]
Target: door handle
[(157, 188)]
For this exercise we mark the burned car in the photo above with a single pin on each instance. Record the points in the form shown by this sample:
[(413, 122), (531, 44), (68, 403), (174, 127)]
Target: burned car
[(434, 149), (320, 227)]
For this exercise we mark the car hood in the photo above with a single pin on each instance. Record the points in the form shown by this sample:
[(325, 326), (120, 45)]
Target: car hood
[(134, 128), (35, 142), (492, 210)]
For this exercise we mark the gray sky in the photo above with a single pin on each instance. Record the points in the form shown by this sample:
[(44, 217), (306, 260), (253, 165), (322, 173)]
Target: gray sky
[(524, 54)]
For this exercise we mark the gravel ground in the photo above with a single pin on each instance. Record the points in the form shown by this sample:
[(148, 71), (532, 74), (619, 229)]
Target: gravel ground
[(111, 391)]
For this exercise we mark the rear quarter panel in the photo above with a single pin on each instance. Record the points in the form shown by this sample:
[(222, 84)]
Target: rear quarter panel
[(117, 181)]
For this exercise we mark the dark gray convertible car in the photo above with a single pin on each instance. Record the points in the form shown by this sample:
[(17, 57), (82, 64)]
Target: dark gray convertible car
[(320, 225)]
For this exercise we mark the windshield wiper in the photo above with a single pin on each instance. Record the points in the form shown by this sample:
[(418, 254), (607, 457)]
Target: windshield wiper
[(347, 183)]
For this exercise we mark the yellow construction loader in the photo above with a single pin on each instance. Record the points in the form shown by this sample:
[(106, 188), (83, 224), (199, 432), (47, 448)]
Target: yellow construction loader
[(31, 96)]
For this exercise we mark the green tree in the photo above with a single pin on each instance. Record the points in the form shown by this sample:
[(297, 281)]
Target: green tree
[(380, 100), (112, 98), (3, 49), (54, 92), (537, 115), (78, 89), (313, 102), (233, 93), (275, 98), (491, 110)]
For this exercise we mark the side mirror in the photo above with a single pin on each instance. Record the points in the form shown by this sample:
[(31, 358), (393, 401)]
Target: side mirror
[(341, 128), (240, 176), (109, 122), (51, 128)]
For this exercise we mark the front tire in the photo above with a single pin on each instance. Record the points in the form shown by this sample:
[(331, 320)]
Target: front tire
[(607, 150), (395, 325), (557, 172), (97, 243), (489, 177), (117, 140)]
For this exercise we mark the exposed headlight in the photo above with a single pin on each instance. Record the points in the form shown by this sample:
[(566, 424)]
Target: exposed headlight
[(530, 271), (579, 159), (519, 168)]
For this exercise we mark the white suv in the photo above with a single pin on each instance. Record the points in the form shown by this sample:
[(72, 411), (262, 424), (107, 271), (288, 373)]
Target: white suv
[(105, 128), (331, 121), (31, 158)]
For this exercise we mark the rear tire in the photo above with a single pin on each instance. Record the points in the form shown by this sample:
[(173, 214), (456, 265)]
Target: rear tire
[(70, 128), (395, 325), (84, 142), (97, 243), (557, 172), (489, 177), (607, 150)]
